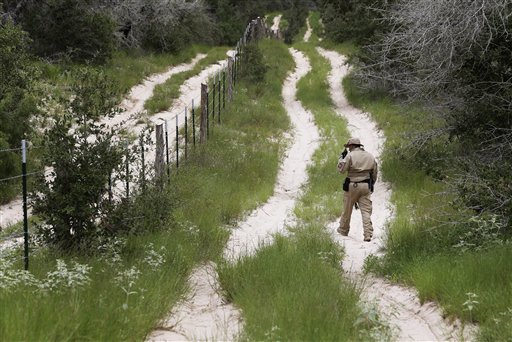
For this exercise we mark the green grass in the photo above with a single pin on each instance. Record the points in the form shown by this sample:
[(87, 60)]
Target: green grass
[(316, 25), (293, 289), (232, 173), (323, 200), (165, 94), (95, 311), (420, 248)]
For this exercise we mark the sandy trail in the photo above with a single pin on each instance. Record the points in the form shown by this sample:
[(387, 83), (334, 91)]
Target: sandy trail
[(400, 306), (203, 316), (275, 23), (139, 94), (309, 31), (11, 213)]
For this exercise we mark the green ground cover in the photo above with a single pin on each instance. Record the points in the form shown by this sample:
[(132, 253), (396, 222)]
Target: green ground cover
[(121, 293)]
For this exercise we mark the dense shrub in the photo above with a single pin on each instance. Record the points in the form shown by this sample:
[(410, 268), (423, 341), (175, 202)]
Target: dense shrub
[(295, 15), (71, 28), (357, 20), (17, 102), (162, 25), (453, 57), (72, 200), (232, 16), (254, 66)]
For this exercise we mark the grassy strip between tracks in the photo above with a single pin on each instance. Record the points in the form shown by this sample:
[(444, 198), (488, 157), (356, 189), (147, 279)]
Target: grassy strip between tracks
[(293, 289), (121, 294), (473, 285), (165, 94)]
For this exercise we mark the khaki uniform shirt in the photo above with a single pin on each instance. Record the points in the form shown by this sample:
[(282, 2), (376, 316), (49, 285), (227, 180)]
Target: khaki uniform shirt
[(359, 165)]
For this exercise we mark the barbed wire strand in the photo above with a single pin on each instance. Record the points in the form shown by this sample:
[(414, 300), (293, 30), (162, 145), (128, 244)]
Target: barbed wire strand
[(19, 149), (20, 176), (11, 149)]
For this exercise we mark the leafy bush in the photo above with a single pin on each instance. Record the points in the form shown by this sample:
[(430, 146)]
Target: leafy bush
[(149, 210), (70, 28), (295, 18), (357, 20), (72, 199), (232, 16), (254, 67), (162, 25), (481, 233), (17, 102), (453, 57)]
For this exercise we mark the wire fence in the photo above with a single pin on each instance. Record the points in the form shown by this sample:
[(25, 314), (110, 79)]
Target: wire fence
[(153, 155)]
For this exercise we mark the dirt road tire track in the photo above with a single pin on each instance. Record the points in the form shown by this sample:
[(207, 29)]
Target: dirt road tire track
[(203, 315), (409, 319)]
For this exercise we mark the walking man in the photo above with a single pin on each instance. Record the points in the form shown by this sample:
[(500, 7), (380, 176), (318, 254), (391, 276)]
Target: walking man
[(361, 168)]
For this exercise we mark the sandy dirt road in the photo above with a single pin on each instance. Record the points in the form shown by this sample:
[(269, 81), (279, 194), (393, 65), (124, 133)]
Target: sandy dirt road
[(400, 306), (203, 315), (275, 23), (309, 31)]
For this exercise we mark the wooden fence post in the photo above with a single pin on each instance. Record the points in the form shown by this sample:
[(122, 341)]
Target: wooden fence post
[(204, 113), (159, 158), (220, 94), (230, 78)]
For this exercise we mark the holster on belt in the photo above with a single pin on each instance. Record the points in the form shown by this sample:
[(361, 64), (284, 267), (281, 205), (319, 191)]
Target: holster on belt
[(346, 184)]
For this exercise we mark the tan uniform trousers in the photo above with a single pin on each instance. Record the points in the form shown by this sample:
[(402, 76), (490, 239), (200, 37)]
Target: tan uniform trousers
[(358, 193)]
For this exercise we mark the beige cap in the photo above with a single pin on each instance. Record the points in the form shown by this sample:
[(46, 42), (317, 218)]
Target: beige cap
[(353, 141)]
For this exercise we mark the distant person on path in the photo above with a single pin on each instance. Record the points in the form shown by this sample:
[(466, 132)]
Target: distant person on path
[(362, 170)]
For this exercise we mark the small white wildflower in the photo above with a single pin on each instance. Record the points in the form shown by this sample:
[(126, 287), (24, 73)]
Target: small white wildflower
[(64, 277), (128, 276), (153, 258)]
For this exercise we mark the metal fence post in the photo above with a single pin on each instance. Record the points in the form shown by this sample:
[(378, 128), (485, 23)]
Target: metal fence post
[(177, 145), (127, 170), (213, 101), (25, 211), (224, 89), (204, 114), (186, 132), (231, 73), (167, 151), (143, 166), (220, 94), (207, 113), (193, 123)]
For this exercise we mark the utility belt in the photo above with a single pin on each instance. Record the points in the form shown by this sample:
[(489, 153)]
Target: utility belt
[(346, 184)]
